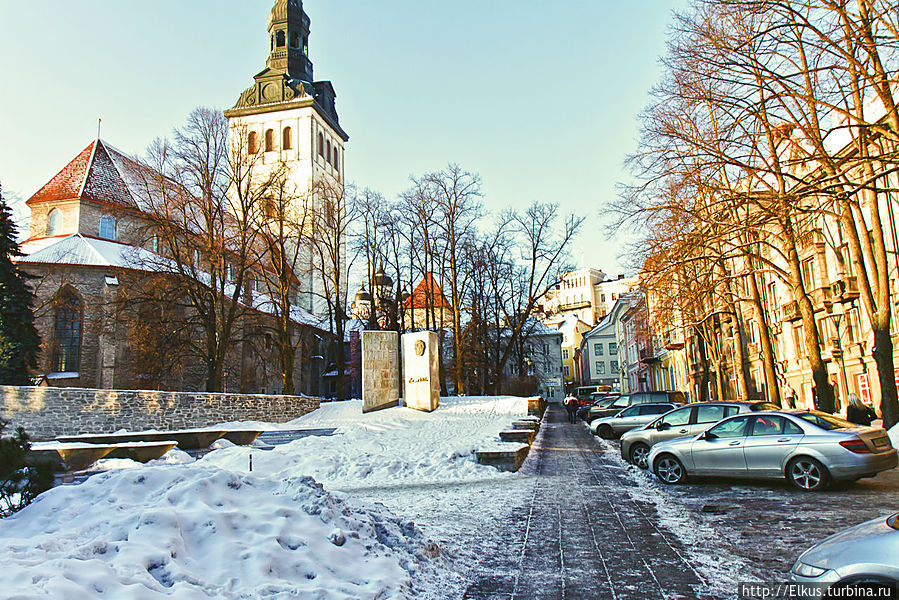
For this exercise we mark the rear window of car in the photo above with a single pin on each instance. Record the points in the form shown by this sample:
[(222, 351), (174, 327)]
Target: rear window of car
[(678, 417), (622, 402), (825, 421)]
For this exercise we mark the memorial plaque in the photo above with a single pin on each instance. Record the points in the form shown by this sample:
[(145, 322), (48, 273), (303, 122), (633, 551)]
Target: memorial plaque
[(421, 383), (380, 370)]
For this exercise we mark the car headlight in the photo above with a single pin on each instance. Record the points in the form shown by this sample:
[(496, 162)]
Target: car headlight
[(804, 570)]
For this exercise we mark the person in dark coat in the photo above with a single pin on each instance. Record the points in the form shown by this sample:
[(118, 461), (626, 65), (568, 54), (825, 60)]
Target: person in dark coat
[(858, 412)]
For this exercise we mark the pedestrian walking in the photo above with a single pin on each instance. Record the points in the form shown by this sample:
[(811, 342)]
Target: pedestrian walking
[(790, 397), (571, 405), (858, 412)]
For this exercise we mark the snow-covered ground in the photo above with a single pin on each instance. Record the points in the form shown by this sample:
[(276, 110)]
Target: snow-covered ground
[(894, 435), (185, 529)]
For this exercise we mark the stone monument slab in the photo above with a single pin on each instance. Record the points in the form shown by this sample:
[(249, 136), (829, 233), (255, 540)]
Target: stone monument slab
[(421, 383), (380, 370)]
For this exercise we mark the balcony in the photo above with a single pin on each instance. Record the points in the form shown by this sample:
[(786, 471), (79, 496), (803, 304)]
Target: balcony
[(845, 289), (821, 298), (790, 311), (648, 357), (575, 305)]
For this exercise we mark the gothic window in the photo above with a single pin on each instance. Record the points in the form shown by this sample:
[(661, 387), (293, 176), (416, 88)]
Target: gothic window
[(321, 145), (280, 39), (294, 40), (54, 222), (67, 333), (107, 227), (287, 142), (269, 140), (253, 143)]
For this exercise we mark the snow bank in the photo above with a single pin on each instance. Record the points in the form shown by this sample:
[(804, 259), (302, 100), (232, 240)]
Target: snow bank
[(894, 435), (194, 531), (392, 446)]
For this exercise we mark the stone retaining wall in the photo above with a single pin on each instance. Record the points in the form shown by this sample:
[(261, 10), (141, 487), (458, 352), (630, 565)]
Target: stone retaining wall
[(47, 412)]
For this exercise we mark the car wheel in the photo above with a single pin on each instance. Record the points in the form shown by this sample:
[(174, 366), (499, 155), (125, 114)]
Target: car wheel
[(669, 469), (640, 455), (605, 432), (807, 474)]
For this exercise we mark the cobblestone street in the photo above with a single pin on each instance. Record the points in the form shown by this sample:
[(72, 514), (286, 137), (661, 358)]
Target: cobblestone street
[(592, 526)]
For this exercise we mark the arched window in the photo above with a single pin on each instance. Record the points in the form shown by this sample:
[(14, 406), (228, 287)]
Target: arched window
[(67, 333), (294, 40), (54, 222), (253, 142), (328, 152), (335, 159), (107, 227), (321, 145), (280, 39), (269, 140), (287, 141)]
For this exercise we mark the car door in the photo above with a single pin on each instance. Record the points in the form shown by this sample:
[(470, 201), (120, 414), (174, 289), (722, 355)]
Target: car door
[(626, 419), (673, 425), (721, 452), (771, 439)]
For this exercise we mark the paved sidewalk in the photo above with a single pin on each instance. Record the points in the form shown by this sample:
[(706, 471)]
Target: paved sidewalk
[(579, 534)]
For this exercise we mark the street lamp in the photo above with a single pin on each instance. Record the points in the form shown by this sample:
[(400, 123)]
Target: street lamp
[(837, 319)]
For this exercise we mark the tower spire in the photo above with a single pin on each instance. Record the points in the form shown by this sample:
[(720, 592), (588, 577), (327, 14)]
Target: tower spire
[(288, 28)]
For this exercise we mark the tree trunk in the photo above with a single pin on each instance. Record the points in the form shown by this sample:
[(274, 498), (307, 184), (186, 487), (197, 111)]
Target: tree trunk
[(767, 348)]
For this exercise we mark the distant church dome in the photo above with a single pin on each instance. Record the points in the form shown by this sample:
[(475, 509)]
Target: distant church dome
[(363, 296), (381, 279)]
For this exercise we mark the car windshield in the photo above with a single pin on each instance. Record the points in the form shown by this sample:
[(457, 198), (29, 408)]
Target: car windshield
[(622, 402), (605, 403), (825, 421), (630, 412)]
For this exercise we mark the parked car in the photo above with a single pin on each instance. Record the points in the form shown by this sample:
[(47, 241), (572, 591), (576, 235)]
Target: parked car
[(683, 422), (864, 555), (584, 392), (810, 448), (629, 418), (636, 398), (599, 400)]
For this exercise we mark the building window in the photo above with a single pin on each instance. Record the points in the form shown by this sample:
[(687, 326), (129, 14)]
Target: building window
[(566, 371), (253, 142), (613, 367), (107, 227), (294, 40), (564, 353), (808, 274), (328, 152), (613, 348), (270, 140), (600, 368), (155, 243), (287, 139), (753, 332), (597, 349), (279, 37), (321, 145), (54, 222), (335, 159), (67, 333)]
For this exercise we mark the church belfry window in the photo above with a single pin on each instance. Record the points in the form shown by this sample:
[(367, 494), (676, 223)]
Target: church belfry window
[(294, 40), (279, 37), (67, 333), (253, 143), (270, 140), (54, 222), (287, 141), (107, 227), (321, 145)]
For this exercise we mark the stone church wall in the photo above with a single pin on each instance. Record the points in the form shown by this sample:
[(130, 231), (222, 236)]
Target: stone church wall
[(47, 412)]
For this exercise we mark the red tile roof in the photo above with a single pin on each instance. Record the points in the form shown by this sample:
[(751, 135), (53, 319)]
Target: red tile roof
[(94, 176), (425, 290), (67, 184)]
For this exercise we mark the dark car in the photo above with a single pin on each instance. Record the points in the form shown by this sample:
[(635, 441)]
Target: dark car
[(626, 400), (600, 401)]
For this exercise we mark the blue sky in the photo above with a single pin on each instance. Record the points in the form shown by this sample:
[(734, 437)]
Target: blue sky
[(540, 98)]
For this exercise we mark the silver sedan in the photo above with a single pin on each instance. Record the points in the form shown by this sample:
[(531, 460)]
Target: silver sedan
[(809, 448), (629, 418), (864, 555)]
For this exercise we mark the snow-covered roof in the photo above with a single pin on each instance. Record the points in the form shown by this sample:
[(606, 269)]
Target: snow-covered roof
[(77, 249)]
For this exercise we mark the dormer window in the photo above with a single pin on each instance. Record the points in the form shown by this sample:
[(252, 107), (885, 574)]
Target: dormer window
[(54, 222), (107, 227)]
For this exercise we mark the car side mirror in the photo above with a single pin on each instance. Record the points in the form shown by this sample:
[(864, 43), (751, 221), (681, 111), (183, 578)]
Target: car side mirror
[(708, 435), (663, 426)]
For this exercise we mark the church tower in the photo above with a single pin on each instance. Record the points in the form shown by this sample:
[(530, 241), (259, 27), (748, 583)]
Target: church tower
[(287, 118)]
